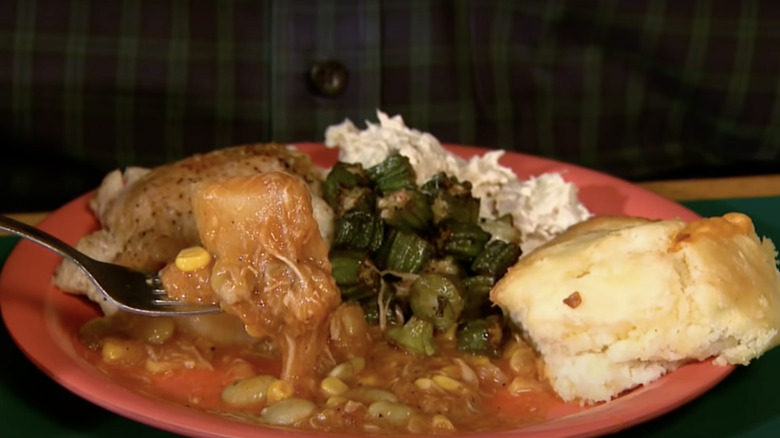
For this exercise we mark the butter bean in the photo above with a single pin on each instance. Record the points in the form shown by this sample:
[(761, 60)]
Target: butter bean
[(287, 412), (248, 392)]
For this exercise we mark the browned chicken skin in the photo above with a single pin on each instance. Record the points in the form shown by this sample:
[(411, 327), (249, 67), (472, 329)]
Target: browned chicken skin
[(151, 219), (270, 265)]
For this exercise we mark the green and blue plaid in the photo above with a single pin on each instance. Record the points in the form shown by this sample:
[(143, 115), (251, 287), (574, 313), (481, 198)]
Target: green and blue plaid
[(640, 89)]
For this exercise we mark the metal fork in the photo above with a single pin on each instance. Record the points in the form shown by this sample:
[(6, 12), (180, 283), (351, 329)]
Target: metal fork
[(129, 290)]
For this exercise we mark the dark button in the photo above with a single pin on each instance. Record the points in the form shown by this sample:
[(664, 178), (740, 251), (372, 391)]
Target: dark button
[(327, 78)]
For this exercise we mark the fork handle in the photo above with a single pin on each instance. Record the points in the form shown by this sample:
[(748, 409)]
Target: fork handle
[(42, 238)]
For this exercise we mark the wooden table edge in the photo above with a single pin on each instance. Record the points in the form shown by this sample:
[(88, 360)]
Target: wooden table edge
[(702, 189)]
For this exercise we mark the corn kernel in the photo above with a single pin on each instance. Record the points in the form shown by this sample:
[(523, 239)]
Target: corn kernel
[(192, 258), (448, 383), (331, 386), (279, 390), (113, 351), (122, 352)]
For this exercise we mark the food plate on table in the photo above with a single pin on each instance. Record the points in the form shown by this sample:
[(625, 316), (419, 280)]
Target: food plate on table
[(45, 322)]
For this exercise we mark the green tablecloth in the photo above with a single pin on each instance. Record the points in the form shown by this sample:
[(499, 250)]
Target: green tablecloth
[(745, 404)]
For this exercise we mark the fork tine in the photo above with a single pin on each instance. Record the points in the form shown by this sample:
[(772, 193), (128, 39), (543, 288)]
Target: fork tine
[(154, 280), (160, 296), (156, 284)]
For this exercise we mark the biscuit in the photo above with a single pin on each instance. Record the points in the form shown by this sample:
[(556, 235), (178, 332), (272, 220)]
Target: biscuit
[(617, 302)]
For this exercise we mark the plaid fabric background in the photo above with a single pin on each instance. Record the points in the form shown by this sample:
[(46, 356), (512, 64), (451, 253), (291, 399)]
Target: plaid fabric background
[(640, 89)]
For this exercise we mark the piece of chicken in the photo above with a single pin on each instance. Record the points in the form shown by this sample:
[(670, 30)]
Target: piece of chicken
[(270, 265), (146, 215), (151, 220)]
